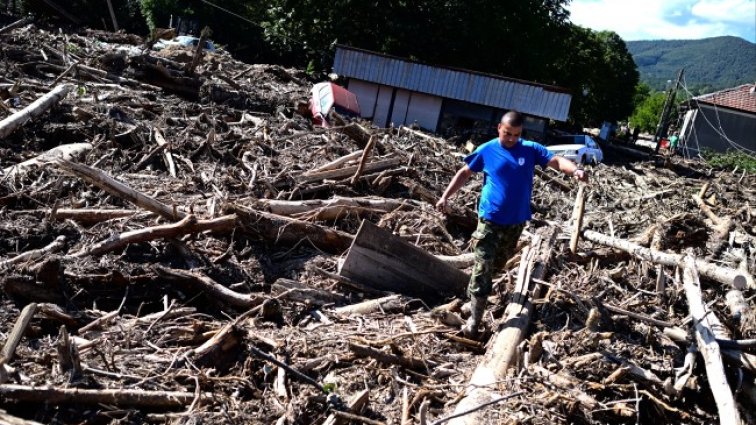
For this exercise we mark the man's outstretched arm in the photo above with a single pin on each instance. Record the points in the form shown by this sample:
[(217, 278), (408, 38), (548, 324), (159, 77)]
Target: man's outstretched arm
[(459, 180), (568, 167)]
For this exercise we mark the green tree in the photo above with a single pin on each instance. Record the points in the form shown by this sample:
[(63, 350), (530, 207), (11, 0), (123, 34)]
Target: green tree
[(600, 71), (646, 114), (512, 38)]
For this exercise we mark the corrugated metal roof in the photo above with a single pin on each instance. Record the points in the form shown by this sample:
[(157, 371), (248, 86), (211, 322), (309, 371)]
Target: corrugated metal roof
[(741, 98), (470, 86)]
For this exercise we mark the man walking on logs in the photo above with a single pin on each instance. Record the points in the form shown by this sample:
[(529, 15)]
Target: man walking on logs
[(508, 165)]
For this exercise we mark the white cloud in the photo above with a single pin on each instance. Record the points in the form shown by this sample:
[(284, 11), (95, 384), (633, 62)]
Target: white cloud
[(667, 19), (740, 11)]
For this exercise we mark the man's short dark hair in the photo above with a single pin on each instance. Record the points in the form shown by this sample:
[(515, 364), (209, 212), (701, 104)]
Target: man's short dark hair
[(514, 118)]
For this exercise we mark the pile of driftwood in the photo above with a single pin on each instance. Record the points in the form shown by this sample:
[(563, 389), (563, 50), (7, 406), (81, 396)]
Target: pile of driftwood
[(179, 245)]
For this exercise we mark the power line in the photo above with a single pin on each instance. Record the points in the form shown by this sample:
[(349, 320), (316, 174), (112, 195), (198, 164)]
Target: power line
[(232, 13), (717, 129)]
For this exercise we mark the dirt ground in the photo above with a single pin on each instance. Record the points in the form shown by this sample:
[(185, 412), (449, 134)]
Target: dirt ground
[(183, 310)]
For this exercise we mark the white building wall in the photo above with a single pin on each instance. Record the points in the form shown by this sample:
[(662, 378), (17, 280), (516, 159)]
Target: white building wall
[(401, 104), (383, 106), (425, 110), (366, 95)]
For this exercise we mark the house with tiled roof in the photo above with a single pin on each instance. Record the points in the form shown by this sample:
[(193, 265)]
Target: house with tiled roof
[(721, 121)]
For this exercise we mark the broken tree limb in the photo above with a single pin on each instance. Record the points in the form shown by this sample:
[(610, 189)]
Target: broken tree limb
[(14, 338), (568, 383), (389, 303), (737, 278), (355, 405), (341, 173), (187, 225), (88, 216), (577, 218), (36, 254), (35, 109), (160, 140), (383, 357), (329, 209), (336, 163), (289, 231), (512, 327), (70, 152), (217, 291), (296, 291), (363, 160), (564, 187), (117, 397), (707, 345), (14, 25), (114, 187)]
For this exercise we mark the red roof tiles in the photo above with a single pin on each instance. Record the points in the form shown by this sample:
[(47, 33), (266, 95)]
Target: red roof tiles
[(742, 98)]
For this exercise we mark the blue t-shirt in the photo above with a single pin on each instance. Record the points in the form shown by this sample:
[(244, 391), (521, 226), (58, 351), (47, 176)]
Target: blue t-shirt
[(508, 178)]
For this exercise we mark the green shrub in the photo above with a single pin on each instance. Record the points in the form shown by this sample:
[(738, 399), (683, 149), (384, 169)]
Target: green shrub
[(730, 160)]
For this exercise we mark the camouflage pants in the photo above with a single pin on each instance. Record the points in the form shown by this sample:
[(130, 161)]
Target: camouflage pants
[(493, 245)]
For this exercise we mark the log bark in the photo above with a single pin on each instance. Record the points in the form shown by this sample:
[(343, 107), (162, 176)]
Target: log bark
[(116, 397), (511, 330), (35, 109), (187, 225), (736, 278), (707, 345), (116, 188)]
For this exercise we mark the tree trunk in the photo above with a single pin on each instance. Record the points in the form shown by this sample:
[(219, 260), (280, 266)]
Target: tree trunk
[(736, 278), (708, 346), (512, 329)]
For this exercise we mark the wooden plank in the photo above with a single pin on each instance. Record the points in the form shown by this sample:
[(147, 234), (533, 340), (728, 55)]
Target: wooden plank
[(384, 261)]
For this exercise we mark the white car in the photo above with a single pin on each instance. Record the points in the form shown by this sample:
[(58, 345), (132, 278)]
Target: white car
[(183, 41), (580, 148)]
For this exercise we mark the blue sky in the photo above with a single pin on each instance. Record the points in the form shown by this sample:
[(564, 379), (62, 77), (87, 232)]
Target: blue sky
[(667, 19)]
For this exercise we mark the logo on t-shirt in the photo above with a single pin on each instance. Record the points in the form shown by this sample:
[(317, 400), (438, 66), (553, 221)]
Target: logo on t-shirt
[(521, 161)]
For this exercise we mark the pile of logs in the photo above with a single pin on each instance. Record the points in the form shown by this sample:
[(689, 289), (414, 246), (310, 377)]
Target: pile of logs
[(173, 231)]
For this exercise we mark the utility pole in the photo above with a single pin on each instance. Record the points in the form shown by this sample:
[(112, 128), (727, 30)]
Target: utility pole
[(661, 129)]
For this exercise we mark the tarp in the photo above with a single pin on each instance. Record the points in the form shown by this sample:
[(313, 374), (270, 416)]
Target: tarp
[(329, 95)]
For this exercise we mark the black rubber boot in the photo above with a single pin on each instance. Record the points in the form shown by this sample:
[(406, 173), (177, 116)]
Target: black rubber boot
[(477, 307)]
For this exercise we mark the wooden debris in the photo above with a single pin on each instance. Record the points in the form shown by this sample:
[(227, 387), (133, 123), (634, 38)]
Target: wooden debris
[(34, 110), (384, 261)]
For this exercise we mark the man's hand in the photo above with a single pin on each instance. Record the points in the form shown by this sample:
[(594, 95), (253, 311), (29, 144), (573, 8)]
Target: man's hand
[(442, 205), (581, 175)]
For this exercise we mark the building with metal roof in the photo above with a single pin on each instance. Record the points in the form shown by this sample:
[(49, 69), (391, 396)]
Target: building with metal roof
[(721, 121), (392, 90)]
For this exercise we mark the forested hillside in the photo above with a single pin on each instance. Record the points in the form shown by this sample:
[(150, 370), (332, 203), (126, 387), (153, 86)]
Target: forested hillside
[(710, 63)]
